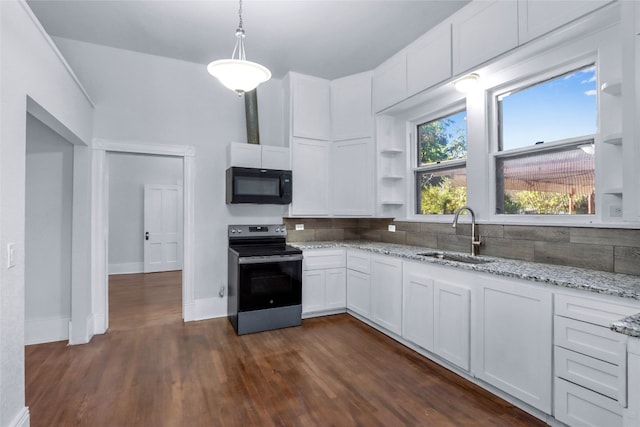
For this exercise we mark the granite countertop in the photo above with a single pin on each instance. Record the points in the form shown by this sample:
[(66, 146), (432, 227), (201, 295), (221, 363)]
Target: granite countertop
[(620, 285)]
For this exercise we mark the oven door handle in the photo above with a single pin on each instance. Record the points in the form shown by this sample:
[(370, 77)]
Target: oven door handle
[(269, 259)]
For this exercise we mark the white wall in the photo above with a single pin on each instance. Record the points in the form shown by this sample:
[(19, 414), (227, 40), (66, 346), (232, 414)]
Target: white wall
[(128, 173), (49, 183), (149, 98), (29, 67)]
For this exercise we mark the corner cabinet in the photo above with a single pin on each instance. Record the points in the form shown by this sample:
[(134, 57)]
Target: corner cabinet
[(352, 175), (514, 330), (310, 172), (311, 107), (351, 111)]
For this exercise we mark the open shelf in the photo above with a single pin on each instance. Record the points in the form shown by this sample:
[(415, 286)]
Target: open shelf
[(613, 139), (613, 87), (391, 151), (616, 191)]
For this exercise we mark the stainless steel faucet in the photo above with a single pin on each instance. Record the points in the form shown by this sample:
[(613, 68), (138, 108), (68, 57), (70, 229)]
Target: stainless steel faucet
[(475, 244)]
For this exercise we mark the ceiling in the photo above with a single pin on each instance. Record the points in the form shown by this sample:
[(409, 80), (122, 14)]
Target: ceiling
[(328, 39)]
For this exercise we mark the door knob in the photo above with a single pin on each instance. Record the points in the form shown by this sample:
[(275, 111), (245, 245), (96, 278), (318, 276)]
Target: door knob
[(146, 236)]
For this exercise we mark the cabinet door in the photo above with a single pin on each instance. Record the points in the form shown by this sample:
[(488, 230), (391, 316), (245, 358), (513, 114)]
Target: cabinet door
[(417, 315), (537, 17), (335, 296), (514, 324), (311, 111), (352, 174), (451, 323), (429, 59), (390, 81), (310, 168), (313, 290), (244, 155), (386, 292), (351, 109), (483, 30), (359, 293), (276, 157)]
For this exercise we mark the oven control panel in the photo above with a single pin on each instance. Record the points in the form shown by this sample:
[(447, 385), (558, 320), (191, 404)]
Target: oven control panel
[(270, 230)]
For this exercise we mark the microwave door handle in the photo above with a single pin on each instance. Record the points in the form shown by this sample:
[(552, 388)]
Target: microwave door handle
[(281, 185)]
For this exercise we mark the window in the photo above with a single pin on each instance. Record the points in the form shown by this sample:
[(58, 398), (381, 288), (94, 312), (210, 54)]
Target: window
[(545, 164), (441, 177)]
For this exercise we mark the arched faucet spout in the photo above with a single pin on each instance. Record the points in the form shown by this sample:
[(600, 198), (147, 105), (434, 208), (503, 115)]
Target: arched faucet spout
[(475, 244)]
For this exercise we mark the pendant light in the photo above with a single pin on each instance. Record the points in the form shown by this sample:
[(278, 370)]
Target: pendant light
[(238, 74)]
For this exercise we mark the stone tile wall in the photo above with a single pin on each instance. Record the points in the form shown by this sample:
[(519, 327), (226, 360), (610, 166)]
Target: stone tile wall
[(606, 249)]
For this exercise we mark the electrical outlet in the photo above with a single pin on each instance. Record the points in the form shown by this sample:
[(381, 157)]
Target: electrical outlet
[(392, 228), (299, 227), (615, 211)]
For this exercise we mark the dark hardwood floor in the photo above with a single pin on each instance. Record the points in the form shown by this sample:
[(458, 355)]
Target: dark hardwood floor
[(151, 369)]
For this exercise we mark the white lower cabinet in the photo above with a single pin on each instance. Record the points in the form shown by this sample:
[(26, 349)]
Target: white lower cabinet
[(590, 361), (514, 340), (359, 282), (417, 314), (386, 292), (324, 284), (451, 309)]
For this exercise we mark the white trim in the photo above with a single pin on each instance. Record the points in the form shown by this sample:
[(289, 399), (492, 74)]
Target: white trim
[(88, 329), (205, 308), (100, 230), (126, 268), (21, 419), (38, 331), (55, 49)]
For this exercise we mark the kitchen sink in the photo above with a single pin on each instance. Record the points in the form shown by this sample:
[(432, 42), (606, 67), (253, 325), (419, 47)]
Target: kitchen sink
[(467, 259)]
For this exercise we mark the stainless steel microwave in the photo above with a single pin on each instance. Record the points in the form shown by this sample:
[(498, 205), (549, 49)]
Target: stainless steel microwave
[(264, 186)]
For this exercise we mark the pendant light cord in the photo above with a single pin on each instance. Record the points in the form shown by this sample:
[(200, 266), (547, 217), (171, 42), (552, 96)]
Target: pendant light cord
[(240, 16), (239, 48)]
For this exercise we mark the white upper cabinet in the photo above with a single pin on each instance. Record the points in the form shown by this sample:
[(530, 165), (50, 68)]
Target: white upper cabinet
[(310, 169), (429, 59), (311, 109), (390, 81), (483, 30), (258, 156), (352, 174), (351, 111), (537, 17)]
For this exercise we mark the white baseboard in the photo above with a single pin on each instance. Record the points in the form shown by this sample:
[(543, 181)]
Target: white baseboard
[(38, 331), (208, 308), (21, 419), (81, 334), (99, 324), (126, 268)]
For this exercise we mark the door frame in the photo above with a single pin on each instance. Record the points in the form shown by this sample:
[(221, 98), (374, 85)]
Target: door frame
[(100, 223)]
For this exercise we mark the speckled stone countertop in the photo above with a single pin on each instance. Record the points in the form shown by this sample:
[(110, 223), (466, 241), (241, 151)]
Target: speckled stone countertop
[(620, 285)]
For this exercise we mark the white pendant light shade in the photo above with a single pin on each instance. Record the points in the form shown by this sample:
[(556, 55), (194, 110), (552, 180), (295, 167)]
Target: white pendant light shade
[(239, 75)]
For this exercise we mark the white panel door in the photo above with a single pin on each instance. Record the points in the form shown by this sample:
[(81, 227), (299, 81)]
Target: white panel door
[(417, 314), (452, 326), (359, 293), (335, 292), (386, 292), (311, 107), (313, 288), (515, 343), (390, 81), (163, 228), (310, 168), (352, 173), (351, 109), (422, 70)]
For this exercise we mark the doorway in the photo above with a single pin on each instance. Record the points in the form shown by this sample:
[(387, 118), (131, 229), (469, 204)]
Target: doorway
[(101, 227), (145, 236), (48, 224)]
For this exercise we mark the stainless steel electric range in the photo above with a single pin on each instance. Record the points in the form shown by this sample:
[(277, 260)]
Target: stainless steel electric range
[(265, 279)]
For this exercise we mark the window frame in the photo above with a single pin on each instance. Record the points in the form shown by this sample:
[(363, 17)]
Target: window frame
[(536, 76), (451, 109)]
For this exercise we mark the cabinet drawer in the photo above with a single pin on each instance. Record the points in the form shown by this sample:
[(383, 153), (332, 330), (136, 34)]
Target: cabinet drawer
[(592, 311), (577, 406), (359, 261), (591, 340), (319, 260), (602, 377)]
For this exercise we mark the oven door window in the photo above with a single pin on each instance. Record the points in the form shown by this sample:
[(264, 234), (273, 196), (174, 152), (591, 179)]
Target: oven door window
[(257, 186), (267, 285)]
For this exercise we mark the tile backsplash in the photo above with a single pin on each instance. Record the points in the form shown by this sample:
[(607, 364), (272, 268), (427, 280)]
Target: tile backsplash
[(606, 249)]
